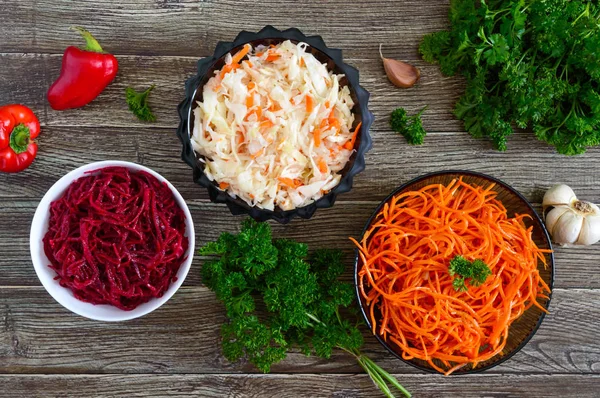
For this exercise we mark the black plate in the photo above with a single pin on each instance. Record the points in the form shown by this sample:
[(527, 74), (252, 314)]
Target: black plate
[(522, 329), (334, 61)]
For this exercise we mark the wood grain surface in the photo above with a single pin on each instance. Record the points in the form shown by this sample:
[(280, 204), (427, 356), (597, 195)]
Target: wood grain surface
[(46, 351), (296, 386)]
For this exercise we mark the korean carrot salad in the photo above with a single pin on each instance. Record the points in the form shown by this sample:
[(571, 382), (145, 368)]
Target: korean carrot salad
[(275, 127), (444, 272)]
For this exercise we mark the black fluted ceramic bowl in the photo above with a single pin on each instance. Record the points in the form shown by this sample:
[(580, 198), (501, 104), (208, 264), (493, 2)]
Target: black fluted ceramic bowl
[(522, 329), (333, 59)]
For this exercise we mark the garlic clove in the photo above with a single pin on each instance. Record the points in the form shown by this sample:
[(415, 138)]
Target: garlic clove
[(400, 73), (560, 194), (566, 226), (590, 231), (553, 216)]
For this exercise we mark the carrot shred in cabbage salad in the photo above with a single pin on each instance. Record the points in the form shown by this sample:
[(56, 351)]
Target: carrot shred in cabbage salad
[(275, 126), (405, 274)]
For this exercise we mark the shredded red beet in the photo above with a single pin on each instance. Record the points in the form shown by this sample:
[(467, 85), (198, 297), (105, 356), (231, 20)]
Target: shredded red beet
[(116, 237)]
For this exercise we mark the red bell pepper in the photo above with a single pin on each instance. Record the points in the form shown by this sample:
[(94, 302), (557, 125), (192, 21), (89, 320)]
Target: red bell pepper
[(18, 128), (84, 74)]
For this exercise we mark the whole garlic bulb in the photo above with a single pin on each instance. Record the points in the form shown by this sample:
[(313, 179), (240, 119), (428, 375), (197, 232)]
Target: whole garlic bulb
[(570, 221)]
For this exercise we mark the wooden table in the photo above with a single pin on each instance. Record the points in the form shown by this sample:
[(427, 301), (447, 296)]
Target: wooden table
[(47, 351)]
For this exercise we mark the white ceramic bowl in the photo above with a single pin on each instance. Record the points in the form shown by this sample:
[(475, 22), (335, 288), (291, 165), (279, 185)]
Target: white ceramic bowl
[(64, 296)]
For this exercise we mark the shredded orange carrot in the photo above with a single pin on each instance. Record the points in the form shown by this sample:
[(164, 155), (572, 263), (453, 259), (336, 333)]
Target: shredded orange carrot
[(228, 68), (335, 123), (323, 166), (251, 86), (289, 182), (301, 61), (260, 54), (241, 54), (250, 101), (404, 278), (309, 104), (223, 185), (272, 57), (317, 137), (249, 64), (350, 144)]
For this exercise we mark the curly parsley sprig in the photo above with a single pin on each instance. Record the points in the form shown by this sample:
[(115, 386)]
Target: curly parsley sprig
[(299, 296), (411, 127), (476, 272)]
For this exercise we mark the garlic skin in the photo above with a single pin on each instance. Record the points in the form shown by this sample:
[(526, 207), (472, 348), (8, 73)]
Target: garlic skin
[(570, 221)]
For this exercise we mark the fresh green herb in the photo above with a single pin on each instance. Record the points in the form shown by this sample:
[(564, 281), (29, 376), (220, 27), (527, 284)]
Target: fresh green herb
[(530, 63), (138, 104), (277, 297), (462, 269), (411, 127)]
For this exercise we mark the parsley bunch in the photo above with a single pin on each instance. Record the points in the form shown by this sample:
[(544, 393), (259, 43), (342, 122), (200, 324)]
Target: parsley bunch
[(278, 297), (528, 63), (462, 269), (411, 127)]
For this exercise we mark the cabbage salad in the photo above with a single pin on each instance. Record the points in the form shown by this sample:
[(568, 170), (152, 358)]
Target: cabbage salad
[(275, 126)]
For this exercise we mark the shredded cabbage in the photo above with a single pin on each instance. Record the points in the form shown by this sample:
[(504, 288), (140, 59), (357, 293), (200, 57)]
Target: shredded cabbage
[(276, 128)]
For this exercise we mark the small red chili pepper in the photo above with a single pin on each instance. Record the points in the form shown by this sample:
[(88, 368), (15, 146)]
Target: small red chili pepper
[(18, 128), (84, 74)]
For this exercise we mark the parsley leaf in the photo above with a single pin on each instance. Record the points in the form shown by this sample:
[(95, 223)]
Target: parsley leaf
[(138, 103)]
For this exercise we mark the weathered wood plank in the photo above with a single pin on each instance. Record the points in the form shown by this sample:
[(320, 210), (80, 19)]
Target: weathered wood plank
[(25, 78), (301, 385), (575, 267), (193, 27), (39, 336)]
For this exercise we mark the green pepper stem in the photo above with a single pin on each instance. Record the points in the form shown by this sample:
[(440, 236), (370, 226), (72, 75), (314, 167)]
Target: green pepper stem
[(91, 44), (20, 138)]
